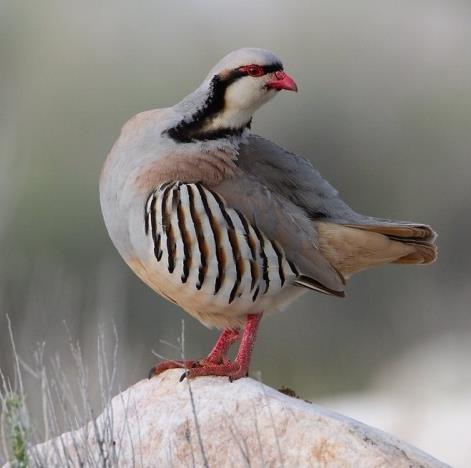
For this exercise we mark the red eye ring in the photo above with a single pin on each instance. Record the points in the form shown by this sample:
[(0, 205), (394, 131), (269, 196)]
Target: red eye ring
[(253, 70)]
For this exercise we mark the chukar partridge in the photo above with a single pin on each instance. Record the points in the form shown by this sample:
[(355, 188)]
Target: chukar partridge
[(227, 224)]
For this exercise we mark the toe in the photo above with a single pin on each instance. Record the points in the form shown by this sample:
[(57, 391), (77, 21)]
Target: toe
[(166, 365), (228, 369)]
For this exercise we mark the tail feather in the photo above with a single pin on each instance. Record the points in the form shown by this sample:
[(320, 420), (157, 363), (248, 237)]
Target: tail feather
[(421, 236), (423, 254), (351, 248), (400, 231)]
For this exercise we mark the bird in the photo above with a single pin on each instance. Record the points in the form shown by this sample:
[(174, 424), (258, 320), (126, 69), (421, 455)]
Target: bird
[(227, 224)]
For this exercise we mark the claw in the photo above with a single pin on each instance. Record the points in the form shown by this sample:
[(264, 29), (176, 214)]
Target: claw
[(151, 373), (183, 376)]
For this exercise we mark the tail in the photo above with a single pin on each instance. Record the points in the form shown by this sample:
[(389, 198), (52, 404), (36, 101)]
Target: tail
[(419, 236), (351, 248)]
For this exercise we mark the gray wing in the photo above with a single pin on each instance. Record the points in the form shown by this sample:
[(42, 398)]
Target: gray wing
[(286, 196), (286, 223), (293, 177)]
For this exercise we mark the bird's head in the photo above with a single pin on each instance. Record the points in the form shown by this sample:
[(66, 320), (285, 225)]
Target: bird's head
[(248, 78), (234, 89)]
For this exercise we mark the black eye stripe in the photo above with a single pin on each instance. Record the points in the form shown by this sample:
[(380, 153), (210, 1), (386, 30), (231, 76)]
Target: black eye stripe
[(272, 68)]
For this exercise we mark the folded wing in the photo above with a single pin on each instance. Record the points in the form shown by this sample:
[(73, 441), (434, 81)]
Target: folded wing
[(347, 240)]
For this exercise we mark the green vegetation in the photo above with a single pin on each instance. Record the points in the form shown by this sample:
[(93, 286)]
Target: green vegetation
[(14, 410)]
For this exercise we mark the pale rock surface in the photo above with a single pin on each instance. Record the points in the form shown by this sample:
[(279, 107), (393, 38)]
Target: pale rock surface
[(244, 423)]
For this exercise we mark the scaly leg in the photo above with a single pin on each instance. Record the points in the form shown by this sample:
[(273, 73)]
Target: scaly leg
[(240, 367), (216, 356), (225, 341)]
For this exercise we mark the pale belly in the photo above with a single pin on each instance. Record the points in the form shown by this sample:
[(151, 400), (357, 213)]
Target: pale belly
[(211, 309)]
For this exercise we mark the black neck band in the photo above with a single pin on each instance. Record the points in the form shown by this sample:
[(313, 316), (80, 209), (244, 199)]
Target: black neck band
[(192, 129)]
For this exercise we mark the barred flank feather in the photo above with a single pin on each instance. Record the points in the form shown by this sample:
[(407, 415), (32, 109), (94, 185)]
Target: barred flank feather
[(191, 228)]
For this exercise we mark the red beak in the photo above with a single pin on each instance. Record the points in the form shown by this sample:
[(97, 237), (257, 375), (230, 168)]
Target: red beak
[(282, 81)]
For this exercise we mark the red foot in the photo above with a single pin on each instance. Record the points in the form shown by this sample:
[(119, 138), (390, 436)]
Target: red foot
[(217, 363), (216, 356), (165, 365), (233, 370)]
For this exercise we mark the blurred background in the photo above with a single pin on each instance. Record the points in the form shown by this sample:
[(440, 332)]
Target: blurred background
[(383, 111)]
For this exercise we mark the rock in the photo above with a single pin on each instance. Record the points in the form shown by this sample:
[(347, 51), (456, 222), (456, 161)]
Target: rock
[(211, 422)]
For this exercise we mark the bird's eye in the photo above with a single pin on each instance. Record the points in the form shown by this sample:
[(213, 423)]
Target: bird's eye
[(253, 70)]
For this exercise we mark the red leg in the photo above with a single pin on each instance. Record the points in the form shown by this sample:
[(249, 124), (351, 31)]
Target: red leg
[(216, 356), (225, 341), (240, 367), (248, 342)]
